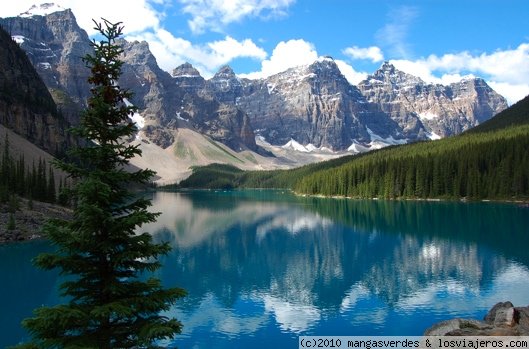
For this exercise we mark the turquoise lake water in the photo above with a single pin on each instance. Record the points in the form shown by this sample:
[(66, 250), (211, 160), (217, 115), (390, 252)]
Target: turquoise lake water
[(264, 267)]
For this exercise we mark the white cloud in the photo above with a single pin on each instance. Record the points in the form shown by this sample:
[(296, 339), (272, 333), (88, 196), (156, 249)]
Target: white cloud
[(287, 54), (507, 71), (372, 53), (294, 53), (513, 92), (394, 34), (350, 73), (171, 51), (215, 14), (137, 15)]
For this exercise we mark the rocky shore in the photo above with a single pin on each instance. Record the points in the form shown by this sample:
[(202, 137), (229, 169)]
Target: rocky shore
[(29, 219), (504, 319)]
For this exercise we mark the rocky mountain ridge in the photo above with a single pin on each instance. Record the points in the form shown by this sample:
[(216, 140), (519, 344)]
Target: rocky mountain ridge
[(26, 106), (431, 110), (311, 109)]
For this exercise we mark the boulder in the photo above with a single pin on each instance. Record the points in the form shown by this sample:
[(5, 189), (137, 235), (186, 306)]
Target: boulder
[(503, 319)]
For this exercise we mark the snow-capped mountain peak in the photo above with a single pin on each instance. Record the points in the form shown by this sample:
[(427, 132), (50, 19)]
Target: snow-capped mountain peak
[(42, 9)]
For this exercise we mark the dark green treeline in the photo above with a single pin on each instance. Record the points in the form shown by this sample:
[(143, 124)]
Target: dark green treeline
[(477, 166), (36, 180)]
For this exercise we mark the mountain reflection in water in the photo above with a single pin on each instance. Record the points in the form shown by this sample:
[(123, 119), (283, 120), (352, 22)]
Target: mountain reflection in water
[(255, 262), (263, 267)]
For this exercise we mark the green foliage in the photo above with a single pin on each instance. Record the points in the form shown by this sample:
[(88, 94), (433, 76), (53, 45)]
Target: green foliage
[(110, 303), (17, 178), (11, 223), (492, 165), (14, 204)]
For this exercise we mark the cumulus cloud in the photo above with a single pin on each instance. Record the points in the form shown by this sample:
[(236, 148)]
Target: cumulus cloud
[(171, 51), (507, 71), (372, 53), (286, 54), (215, 14), (294, 53), (352, 76), (137, 15)]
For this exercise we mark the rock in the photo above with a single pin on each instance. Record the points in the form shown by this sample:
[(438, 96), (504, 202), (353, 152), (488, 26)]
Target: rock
[(425, 110), (452, 326), (56, 45), (522, 317), (26, 106), (491, 315), (503, 319), (312, 104)]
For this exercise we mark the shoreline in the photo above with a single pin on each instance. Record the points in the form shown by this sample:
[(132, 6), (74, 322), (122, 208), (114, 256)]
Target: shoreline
[(503, 319), (29, 221)]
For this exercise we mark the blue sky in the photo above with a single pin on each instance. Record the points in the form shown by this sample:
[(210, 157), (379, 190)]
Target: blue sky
[(438, 40)]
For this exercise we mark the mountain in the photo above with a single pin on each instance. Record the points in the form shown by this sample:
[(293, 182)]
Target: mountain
[(305, 114), (488, 162), (316, 107), (26, 106), (313, 105), (55, 44), (431, 110), (516, 115)]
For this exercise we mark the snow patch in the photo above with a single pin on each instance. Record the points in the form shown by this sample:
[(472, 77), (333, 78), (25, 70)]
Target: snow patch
[(136, 117), (42, 10), (190, 76), (180, 117), (433, 136), (325, 59), (378, 140), (428, 116), (292, 144), (19, 39), (45, 65), (358, 148), (311, 147)]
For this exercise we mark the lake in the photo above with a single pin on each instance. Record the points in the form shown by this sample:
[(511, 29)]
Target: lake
[(264, 267)]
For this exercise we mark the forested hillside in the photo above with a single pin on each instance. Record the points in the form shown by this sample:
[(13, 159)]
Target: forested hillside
[(489, 162)]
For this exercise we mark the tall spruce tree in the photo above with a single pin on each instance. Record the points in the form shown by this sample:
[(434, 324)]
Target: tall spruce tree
[(110, 301)]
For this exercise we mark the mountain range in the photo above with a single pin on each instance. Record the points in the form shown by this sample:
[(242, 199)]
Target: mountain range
[(304, 114)]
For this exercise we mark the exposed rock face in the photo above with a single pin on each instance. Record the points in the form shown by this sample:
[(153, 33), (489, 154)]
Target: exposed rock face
[(312, 105), (225, 86), (151, 87), (188, 78), (55, 44), (169, 102), (429, 110), (26, 106), (504, 319)]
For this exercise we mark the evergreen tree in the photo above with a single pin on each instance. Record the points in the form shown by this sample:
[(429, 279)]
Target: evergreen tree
[(111, 303), (11, 224)]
